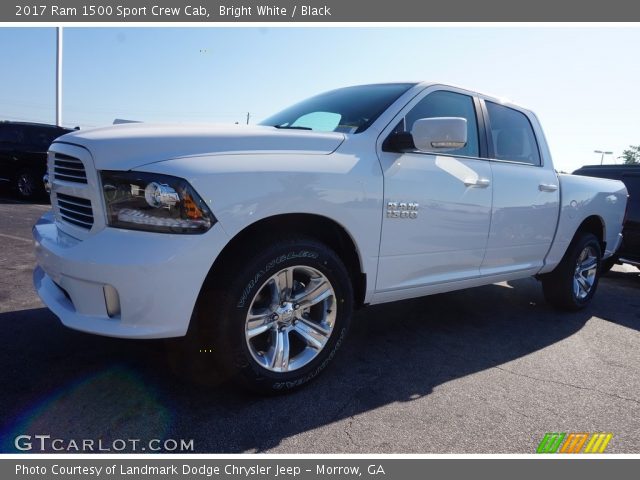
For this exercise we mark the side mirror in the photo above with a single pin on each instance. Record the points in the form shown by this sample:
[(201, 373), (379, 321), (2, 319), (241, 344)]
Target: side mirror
[(439, 134)]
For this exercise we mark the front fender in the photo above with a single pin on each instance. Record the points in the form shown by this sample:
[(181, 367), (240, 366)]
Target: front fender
[(244, 189)]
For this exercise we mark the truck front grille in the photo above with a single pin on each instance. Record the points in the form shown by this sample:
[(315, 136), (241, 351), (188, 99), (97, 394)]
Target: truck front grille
[(68, 169), (74, 210)]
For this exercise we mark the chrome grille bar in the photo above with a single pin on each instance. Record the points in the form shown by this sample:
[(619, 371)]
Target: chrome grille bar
[(74, 210), (68, 169)]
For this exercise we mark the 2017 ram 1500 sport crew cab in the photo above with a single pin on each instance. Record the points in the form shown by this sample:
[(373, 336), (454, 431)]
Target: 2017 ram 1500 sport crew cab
[(261, 240)]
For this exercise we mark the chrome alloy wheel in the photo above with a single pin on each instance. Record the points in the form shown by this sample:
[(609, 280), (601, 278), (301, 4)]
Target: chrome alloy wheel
[(290, 319), (585, 272)]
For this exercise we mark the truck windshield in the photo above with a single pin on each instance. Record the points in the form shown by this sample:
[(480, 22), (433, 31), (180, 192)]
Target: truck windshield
[(347, 110)]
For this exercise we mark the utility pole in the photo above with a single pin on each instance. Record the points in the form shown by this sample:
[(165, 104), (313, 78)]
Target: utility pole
[(59, 76)]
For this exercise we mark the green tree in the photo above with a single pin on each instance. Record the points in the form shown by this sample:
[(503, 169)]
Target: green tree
[(631, 155)]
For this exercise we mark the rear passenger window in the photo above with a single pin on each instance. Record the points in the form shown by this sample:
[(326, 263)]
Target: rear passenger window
[(448, 104), (512, 134), (41, 138), (11, 135)]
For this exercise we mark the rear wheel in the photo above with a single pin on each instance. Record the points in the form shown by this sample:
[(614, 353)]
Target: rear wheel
[(278, 319), (26, 185), (573, 283)]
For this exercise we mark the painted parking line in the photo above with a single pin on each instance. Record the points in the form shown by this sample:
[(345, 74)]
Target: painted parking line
[(13, 237)]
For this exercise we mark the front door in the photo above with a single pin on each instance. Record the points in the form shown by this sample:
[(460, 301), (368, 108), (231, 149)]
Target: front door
[(437, 206)]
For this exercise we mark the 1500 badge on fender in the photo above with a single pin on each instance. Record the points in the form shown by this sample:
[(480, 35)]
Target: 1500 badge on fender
[(402, 210)]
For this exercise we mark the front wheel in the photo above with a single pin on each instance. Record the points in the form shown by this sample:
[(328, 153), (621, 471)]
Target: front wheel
[(26, 185), (279, 317), (573, 283)]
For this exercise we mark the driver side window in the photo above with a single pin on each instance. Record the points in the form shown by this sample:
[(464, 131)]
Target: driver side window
[(448, 104)]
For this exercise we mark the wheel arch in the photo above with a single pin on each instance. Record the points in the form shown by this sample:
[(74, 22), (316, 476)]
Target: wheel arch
[(319, 227), (594, 224), (561, 286)]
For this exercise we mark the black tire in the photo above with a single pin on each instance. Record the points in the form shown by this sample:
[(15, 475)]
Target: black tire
[(558, 286), (607, 264), (226, 299), (26, 185)]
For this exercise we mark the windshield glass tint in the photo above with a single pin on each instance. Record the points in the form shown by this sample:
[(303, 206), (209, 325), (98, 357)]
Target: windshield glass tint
[(348, 110)]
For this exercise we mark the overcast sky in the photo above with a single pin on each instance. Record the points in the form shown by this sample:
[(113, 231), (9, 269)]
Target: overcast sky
[(582, 82)]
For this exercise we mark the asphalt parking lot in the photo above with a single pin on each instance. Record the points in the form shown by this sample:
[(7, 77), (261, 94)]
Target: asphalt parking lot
[(486, 370)]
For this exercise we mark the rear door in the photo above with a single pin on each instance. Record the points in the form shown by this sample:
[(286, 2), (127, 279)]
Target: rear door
[(38, 139), (525, 192)]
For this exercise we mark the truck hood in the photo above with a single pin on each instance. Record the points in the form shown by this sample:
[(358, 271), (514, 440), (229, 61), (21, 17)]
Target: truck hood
[(127, 146)]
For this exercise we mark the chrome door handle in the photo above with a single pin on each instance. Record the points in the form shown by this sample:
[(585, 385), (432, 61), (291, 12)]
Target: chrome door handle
[(478, 182), (547, 187)]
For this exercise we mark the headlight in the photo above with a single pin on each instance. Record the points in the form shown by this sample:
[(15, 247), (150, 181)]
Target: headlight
[(153, 202)]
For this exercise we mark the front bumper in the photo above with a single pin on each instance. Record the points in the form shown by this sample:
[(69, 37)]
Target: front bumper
[(157, 278)]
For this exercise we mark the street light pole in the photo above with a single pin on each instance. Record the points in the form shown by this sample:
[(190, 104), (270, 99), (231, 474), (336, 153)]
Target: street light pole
[(603, 153), (59, 76)]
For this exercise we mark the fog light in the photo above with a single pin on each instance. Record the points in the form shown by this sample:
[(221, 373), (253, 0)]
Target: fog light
[(111, 300)]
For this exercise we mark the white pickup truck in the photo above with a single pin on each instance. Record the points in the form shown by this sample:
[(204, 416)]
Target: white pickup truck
[(261, 240)]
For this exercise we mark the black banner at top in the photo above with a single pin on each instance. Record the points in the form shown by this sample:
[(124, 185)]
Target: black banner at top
[(234, 11)]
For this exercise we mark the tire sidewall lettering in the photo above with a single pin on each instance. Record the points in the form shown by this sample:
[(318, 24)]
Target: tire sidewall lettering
[(235, 295), (248, 289), (315, 372)]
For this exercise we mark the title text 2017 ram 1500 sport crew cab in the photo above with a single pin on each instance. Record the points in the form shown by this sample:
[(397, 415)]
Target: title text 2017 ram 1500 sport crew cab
[(263, 239)]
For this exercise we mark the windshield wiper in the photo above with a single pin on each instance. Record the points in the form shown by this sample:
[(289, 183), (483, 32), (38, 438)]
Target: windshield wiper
[(292, 127)]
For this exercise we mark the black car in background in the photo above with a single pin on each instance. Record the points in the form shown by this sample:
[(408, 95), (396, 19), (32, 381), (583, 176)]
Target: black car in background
[(630, 175), (23, 155)]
